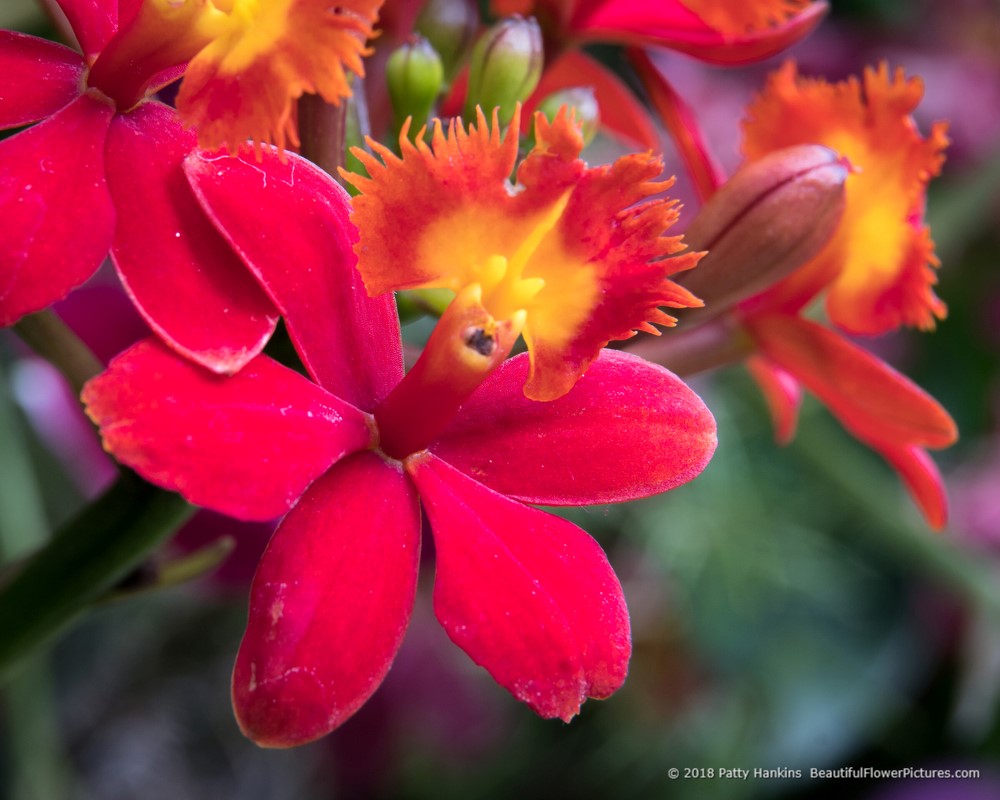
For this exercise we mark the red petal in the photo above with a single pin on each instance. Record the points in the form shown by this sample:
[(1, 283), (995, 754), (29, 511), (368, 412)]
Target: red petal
[(184, 278), (56, 217), (37, 78), (682, 124), (93, 21), (329, 604), (922, 480), (871, 399), (667, 25), (247, 446), (781, 392), (289, 221), (620, 111), (627, 429), (527, 595)]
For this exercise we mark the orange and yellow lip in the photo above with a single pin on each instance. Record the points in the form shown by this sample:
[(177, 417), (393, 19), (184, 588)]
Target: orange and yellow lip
[(878, 269), (580, 250), (249, 60)]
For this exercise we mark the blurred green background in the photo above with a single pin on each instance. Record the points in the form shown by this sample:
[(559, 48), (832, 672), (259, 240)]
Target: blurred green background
[(790, 609)]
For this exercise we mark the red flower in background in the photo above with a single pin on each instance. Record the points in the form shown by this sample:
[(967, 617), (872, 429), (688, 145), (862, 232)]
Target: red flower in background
[(717, 31), (876, 271), (725, 32), (102, 172), (528, 595), (875, 266), (248, 61)]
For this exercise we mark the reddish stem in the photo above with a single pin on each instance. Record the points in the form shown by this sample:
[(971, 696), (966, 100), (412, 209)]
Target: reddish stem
[(688, 352), (681, 124)]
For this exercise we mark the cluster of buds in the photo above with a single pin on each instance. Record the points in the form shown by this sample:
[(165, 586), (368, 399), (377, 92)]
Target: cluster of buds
[(218, 228), (451, 66)]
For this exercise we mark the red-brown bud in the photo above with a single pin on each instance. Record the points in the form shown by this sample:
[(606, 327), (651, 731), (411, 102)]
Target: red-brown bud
[(765, 222)]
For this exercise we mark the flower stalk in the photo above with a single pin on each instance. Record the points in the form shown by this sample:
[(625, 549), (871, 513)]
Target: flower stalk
[(85, 559), (690, 351), (55, 341), (323, 132)]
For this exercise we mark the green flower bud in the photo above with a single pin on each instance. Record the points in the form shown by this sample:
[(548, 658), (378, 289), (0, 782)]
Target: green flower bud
[(582, 101), (505, 68), (765, 222), (450, 26), (415, 75)]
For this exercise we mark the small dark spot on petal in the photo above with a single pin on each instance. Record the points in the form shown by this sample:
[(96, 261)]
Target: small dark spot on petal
[(480, 341)]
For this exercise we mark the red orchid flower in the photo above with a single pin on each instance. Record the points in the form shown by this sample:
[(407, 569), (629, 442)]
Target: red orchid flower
[(102, 171), (725, 32), (107, 153), (717, 31), (876, 267), (526, 594)]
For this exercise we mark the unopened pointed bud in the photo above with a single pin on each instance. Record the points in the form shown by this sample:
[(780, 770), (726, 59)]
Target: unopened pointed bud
[(582, 101), (765, 222), (505, 68), (414, 75), (450, 26)]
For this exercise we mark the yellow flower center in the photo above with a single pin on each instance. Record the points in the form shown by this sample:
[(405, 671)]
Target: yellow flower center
[(575, 254), (537, 275), (506, 290), (237, 31), (241, 30)]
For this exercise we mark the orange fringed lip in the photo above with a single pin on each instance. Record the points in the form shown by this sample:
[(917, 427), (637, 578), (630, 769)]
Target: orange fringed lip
[(262, 57), (879, 266), (581, 250), (738, 18)]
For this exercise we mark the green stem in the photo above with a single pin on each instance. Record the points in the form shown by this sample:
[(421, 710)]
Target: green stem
[(154, 577), (33, 744), (86, 558), (54, 341), (34, 741)]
